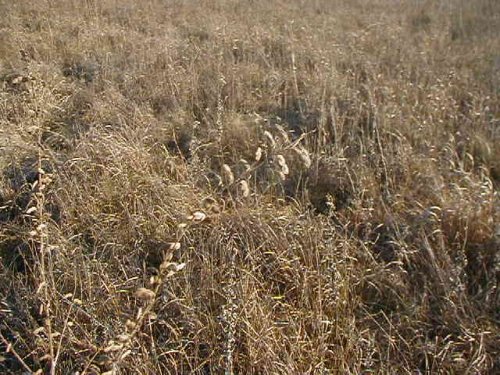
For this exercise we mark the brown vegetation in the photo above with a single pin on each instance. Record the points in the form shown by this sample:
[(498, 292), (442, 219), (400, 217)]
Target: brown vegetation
[(254, 187)]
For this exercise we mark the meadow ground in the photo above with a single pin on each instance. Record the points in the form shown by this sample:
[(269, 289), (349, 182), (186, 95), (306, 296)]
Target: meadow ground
[(251, 187)]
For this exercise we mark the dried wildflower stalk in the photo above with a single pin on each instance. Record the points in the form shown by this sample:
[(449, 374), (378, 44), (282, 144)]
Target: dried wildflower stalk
[(229, 315), (39, 238), (120, 347)]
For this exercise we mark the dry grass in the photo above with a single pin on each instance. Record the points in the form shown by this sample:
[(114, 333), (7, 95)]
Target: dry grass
[(258, 187)]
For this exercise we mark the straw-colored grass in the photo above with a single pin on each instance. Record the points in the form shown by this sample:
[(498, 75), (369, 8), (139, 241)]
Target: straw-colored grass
[(249, 187)]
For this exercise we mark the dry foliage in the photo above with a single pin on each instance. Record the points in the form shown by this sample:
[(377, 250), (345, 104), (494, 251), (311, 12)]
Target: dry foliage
[(254, 187)]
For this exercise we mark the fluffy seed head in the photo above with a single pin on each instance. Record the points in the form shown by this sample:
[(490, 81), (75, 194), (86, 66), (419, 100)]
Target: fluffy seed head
[(269, 139), (243, 188), (198, 216), (227, 174), (283, 134), (123, 338), (304, 157), (245, 164), (283, 165), (144, 294), (209, 204), (130, 324), (179, 266), (258, 154), (113, 347)]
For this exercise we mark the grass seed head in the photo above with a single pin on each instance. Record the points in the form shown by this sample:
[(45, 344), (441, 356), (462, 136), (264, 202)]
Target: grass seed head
[(283, 165), (304, 157), (130, 324), (227, 175), (245, 164), (243, 189), (144, 294), (197, 217), (269, 139), (258, 154)]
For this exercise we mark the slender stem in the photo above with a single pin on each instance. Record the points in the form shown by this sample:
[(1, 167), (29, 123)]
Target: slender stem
[(40, 199), (15, 354)]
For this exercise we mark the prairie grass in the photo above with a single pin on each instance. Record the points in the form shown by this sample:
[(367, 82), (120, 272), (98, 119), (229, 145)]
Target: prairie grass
[(249, 187)]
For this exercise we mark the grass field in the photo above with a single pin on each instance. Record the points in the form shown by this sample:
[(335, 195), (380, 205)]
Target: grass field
[(249, 187)]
